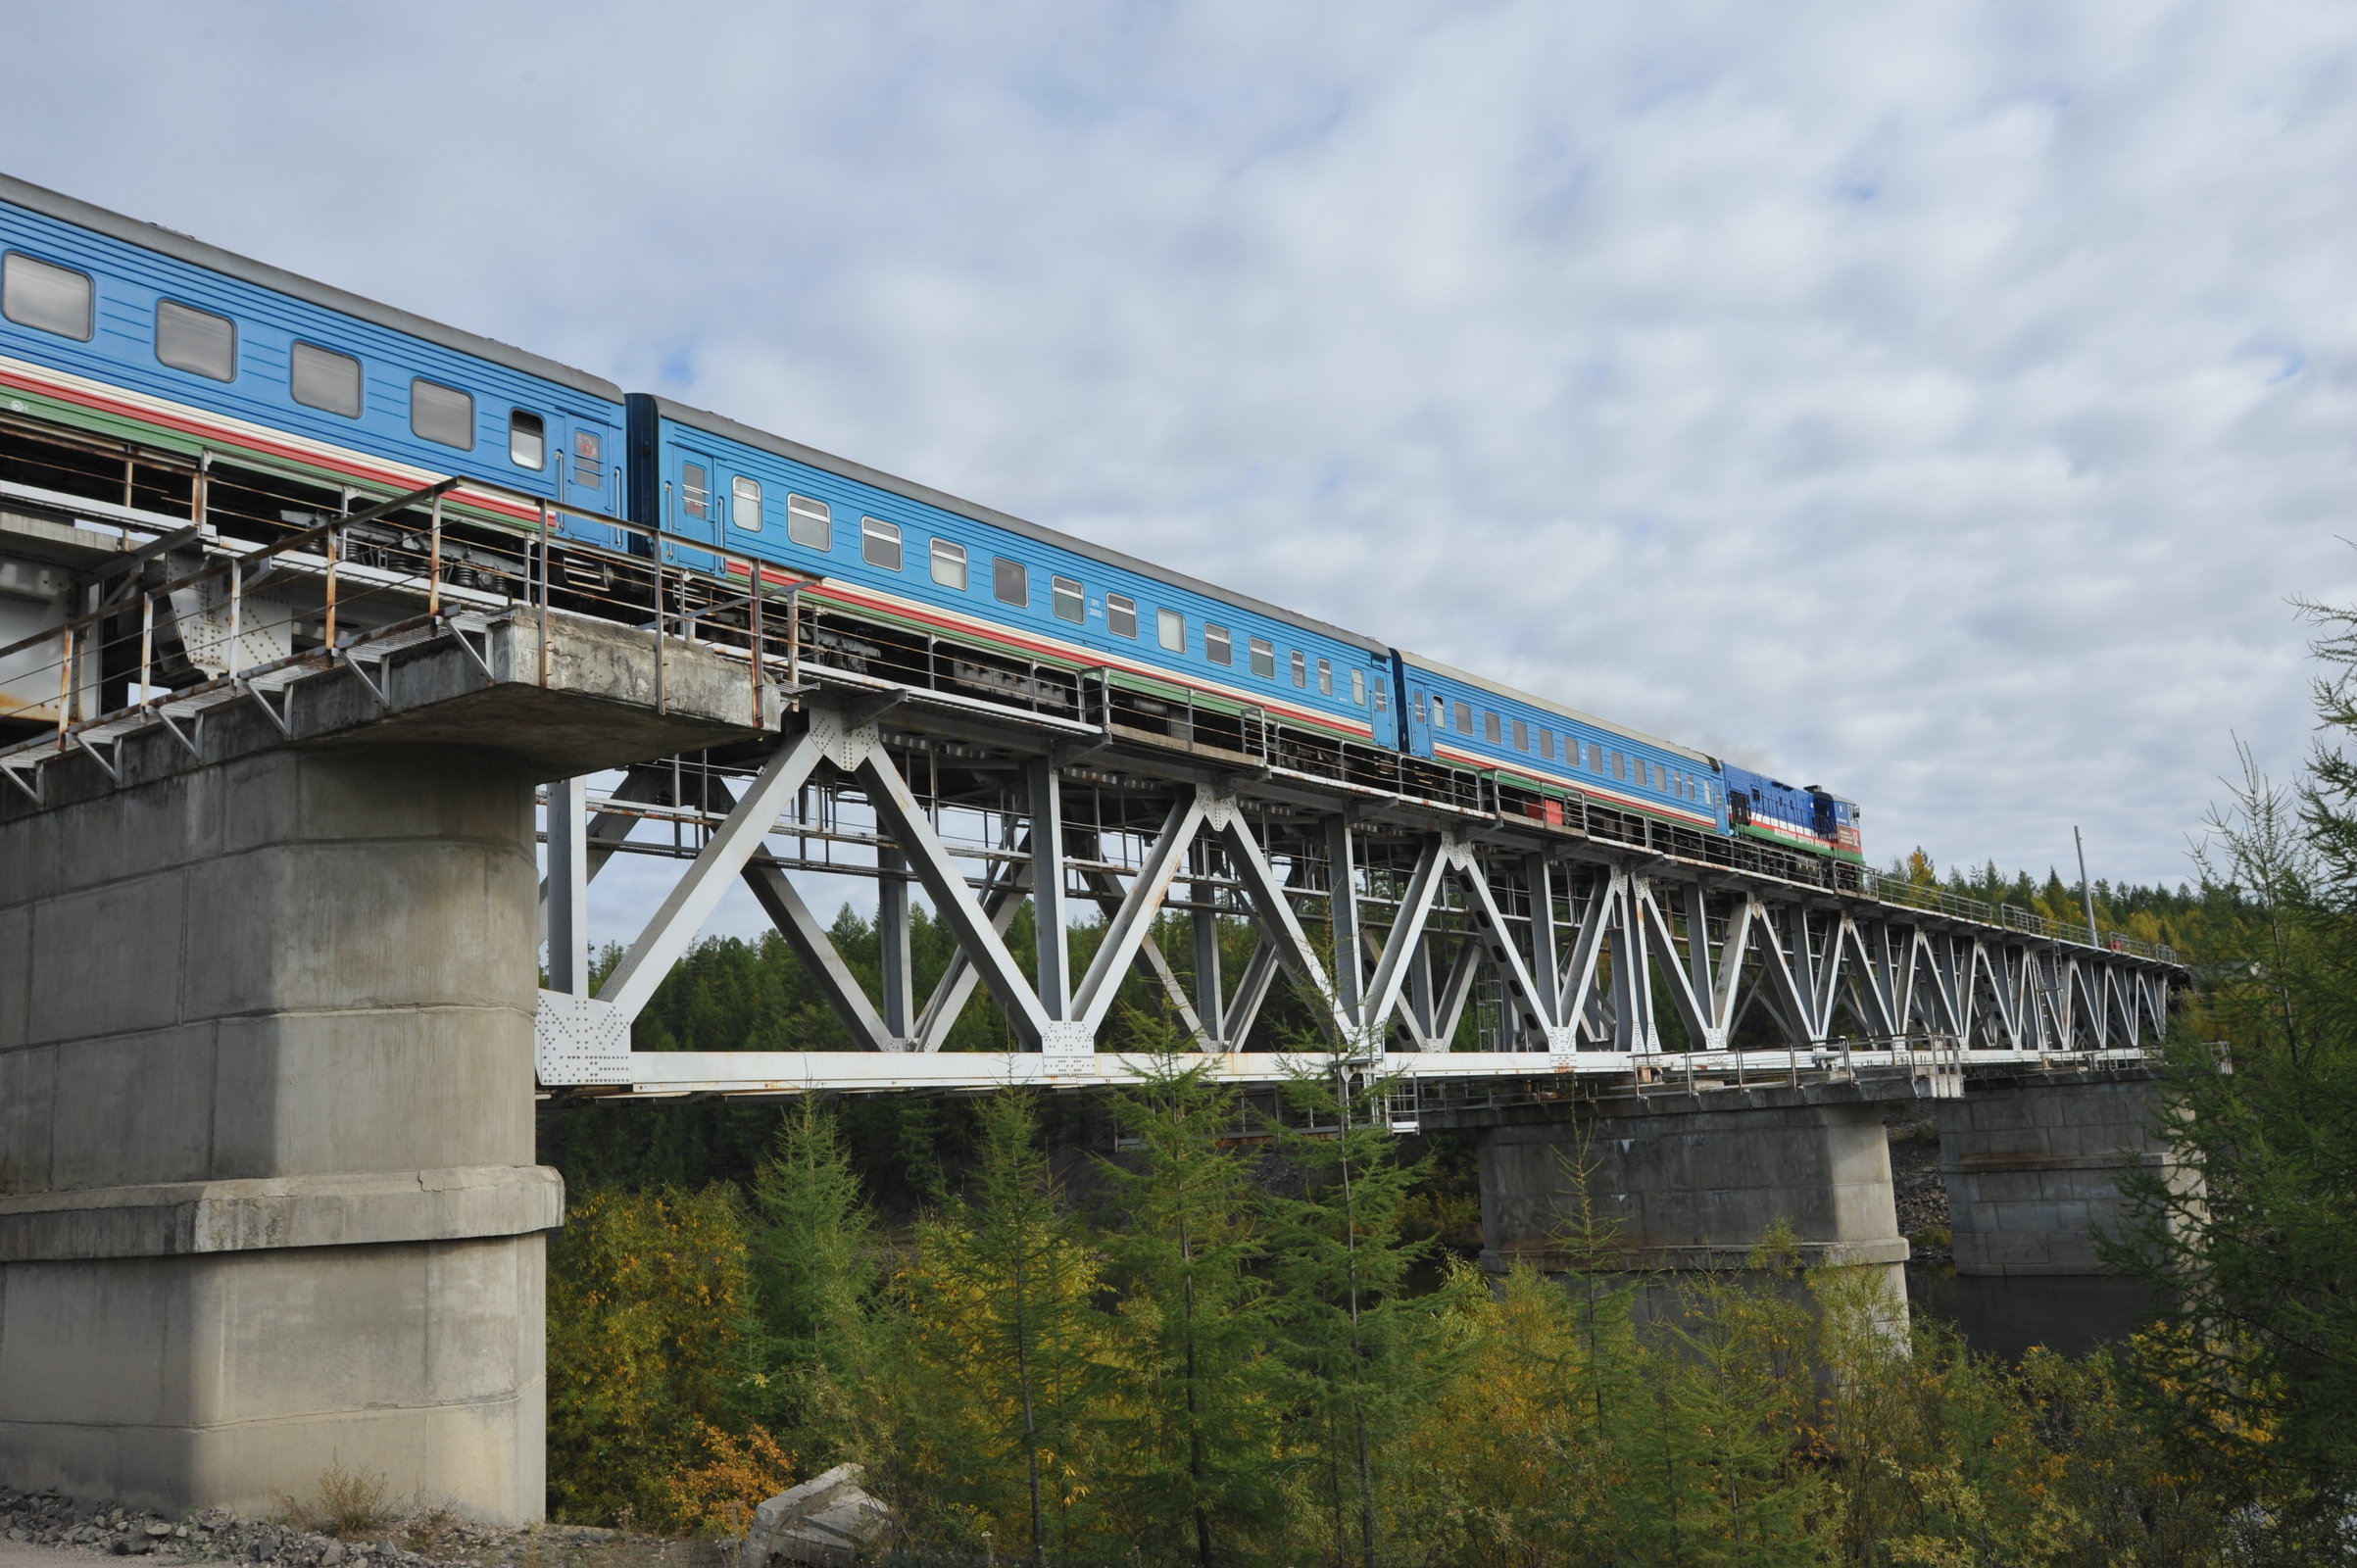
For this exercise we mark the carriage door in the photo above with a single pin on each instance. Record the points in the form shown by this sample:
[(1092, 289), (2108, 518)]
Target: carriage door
[(691, 502), (589, 464), (1416, 722)]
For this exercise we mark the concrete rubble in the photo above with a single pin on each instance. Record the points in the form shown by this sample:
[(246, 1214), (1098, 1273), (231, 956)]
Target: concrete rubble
[(824, 1523)]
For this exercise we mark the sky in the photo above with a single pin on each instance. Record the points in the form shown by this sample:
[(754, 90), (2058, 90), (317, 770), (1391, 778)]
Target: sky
[(1941, 403)]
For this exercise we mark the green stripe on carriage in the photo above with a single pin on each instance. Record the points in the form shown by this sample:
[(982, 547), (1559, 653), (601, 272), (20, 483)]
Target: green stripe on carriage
[(165, 438)]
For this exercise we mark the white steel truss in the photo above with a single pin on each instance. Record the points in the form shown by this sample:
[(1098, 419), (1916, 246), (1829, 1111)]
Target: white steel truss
[(1583, 959)]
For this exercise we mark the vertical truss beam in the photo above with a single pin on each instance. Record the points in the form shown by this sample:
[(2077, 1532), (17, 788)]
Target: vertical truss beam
[(1547, 968), (569, 880), (893, 934), (1051, 917), (1342, 898), (1211, 1004)]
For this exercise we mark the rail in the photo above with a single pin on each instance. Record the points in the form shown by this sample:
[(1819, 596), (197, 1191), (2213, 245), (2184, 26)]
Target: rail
[(1884, 888)]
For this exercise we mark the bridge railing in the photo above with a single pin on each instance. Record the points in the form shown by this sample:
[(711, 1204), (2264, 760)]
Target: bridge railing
[(1884, 888)]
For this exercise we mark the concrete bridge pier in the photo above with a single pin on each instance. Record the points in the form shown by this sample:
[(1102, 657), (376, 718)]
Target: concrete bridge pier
[(1692, 1182), (2033, 1162), (268, 1195)]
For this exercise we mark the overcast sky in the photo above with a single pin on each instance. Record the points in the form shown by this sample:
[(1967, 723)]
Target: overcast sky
[(1934, 402)]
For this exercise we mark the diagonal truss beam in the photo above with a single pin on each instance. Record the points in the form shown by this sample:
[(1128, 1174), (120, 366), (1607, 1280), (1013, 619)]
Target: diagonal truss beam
[(1106, 889), (691, 901), (1000, 903), (1131, 926), (952, 900), (816, 950), (1279, 925)]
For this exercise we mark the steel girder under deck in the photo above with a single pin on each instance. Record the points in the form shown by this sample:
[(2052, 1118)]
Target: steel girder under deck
[(1386, 919)]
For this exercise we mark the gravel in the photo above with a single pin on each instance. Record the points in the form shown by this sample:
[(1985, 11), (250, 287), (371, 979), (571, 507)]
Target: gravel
[(428, 1539)]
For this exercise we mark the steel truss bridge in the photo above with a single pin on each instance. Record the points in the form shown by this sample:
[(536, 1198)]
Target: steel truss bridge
[(1617, 954), (1393, 897)]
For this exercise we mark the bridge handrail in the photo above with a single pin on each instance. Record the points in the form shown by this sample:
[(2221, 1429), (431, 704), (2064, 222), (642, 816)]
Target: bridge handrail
[(1885, 888)]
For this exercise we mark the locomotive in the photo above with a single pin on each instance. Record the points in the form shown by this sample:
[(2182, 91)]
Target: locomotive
[(142, 335)]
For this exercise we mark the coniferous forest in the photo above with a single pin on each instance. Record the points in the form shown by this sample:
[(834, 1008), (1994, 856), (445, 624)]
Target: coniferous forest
[(1151, 1331)]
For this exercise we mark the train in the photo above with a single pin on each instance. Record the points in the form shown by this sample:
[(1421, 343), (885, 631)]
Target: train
[(139, 334)]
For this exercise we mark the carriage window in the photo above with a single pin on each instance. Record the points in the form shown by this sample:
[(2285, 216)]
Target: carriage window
[(527, 440), (1170, 630), (948, 564), (1300, 667), (880, 543), (1547, 743), (321, 379), (442, 413), (196, 341), (1325, 677), (1071, 604), (1465, 718), (1378, 698), (744, 506), (1264, 658), (1491, 730), (1121, 615), (588, 447), (1522, 736), (810, 522), (1358, 687), (695, 489), (46, 298), (1219, 648), (1009, 581)]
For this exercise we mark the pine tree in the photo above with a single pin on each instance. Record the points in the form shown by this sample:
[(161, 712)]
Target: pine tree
[(815, 1271), (1003, 1356), (2251, 1239), (1197, 1456), (1361, 1352)]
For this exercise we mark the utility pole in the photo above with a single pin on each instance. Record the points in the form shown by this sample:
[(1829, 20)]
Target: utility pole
[(2087, 889)]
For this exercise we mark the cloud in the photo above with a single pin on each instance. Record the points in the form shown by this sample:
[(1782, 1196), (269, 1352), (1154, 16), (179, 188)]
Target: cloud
[(1934, 402)]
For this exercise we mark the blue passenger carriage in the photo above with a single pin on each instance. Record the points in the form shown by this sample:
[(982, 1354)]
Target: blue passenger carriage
[(1454, 716), (139, 334), (910, 584)]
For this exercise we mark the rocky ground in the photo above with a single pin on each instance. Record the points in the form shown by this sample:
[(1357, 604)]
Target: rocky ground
[(1915, 1177), (417, 1539)]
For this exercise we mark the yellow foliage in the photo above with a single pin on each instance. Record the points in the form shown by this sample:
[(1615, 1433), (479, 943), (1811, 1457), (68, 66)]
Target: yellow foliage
[(738, 1476), (649, 1300)]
